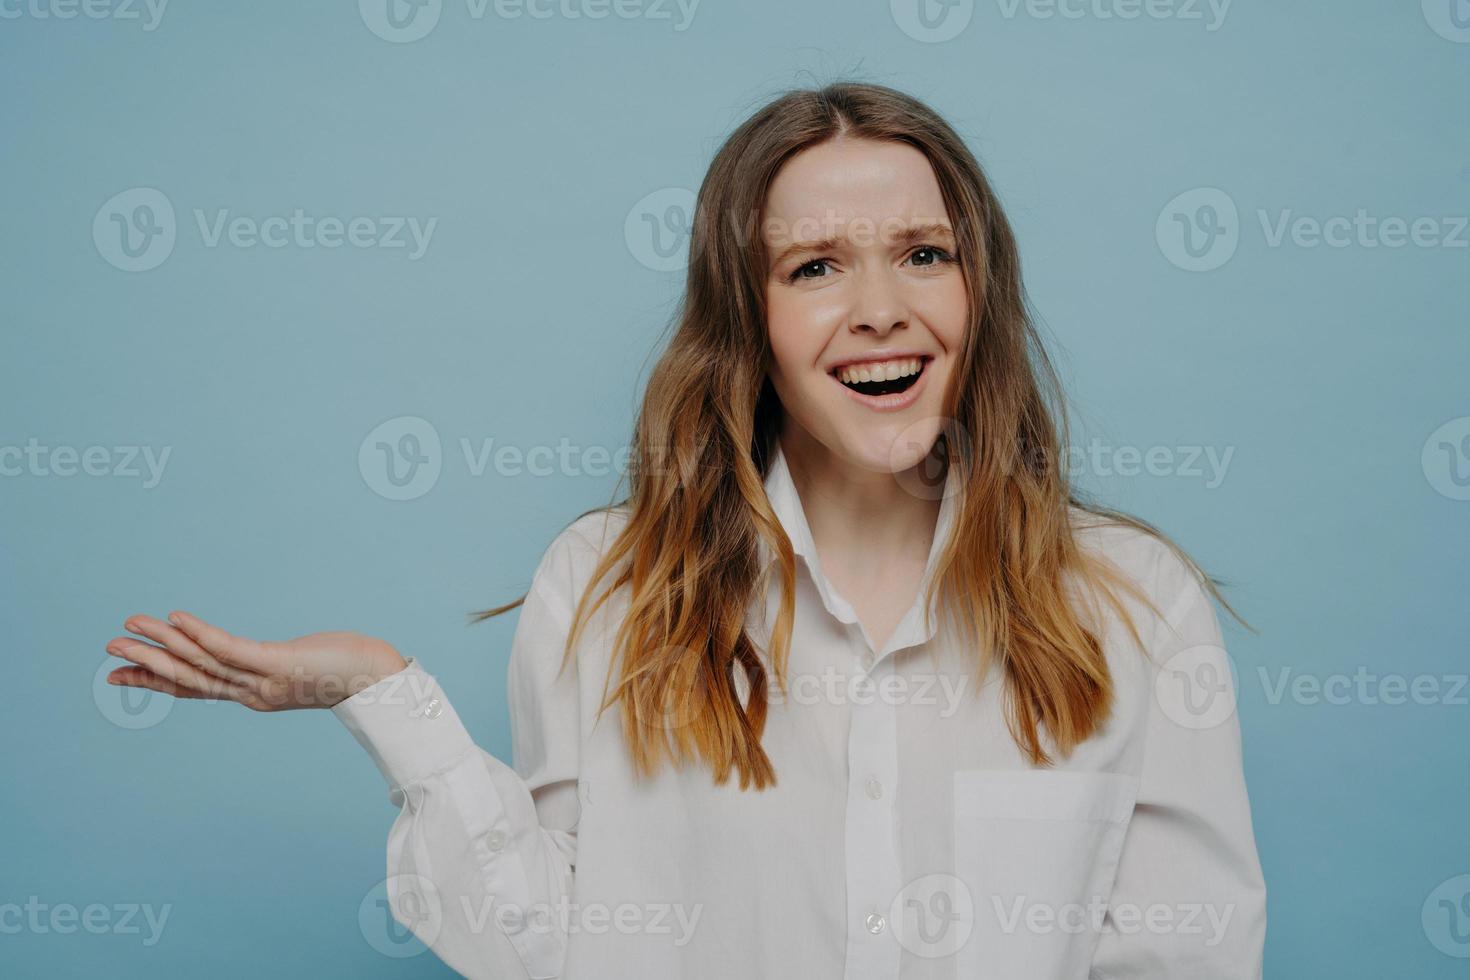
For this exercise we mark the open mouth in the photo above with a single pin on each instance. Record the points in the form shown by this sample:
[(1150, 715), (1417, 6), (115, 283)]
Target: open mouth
[(882, 377)]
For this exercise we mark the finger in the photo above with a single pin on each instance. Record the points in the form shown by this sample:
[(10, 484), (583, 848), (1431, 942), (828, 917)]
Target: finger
[(178, 643), (171, 668), (235, 651), (134, 676)]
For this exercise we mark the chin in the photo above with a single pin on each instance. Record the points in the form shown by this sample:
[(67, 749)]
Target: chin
[(891, 448)]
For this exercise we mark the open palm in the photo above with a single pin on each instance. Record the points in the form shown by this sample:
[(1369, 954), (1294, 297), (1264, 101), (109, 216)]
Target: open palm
[(189, 658)]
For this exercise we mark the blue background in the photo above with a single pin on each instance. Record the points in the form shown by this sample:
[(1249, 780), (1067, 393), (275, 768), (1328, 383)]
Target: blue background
[(531, 318)]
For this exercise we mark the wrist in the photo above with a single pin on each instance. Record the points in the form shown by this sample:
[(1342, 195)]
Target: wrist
[(381, 665), (387, 664)]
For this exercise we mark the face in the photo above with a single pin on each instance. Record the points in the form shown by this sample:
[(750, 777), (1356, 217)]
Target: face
[(866, 301)]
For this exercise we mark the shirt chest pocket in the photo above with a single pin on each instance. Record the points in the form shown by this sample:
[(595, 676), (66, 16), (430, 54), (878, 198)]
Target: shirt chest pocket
[(1037, 851)]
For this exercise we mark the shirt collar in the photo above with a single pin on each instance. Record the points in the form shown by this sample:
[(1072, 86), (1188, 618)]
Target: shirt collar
[(786, 502)]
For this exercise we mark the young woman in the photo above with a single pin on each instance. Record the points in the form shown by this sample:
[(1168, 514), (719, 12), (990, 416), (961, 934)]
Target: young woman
[(851, 684)]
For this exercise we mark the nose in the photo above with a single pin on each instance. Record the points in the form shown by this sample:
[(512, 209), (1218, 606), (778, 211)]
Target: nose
[(878, 306)]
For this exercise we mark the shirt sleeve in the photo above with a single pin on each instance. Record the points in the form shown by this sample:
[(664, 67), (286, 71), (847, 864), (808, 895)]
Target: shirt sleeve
[(481, 855), (1189, 899)]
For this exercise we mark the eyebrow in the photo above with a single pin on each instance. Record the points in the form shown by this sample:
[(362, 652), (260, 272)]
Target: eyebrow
[(909, 235)]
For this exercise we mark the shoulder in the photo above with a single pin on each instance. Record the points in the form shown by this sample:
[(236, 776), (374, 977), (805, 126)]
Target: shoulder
[(567, 565), (1160, 572), (590, 536)]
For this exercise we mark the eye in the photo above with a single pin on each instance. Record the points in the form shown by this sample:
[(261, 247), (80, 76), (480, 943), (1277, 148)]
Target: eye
[(814, 266), (927, 255)]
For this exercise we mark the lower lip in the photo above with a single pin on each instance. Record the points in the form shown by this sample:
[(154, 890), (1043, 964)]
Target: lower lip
[(895, 402)]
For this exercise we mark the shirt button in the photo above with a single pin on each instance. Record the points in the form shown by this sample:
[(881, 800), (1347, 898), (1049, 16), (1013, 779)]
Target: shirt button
[(874, 922), (434, 708), (875, 788), (868, 658), (496, 839)]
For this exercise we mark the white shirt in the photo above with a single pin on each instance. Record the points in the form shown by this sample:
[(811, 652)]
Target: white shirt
[(907, 835)]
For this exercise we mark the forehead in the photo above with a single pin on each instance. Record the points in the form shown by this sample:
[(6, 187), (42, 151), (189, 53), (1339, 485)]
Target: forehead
[(844, 179)]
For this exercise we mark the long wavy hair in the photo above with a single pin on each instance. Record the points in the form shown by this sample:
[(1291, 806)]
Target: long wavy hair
[(696, 508)]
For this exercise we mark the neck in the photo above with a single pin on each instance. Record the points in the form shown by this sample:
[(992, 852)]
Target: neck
[(866, 520)]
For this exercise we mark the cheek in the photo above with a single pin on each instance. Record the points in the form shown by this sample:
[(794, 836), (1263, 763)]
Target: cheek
[(946, 311), (797, 338)]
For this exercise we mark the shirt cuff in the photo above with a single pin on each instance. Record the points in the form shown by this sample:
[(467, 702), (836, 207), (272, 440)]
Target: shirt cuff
[(406, 724)]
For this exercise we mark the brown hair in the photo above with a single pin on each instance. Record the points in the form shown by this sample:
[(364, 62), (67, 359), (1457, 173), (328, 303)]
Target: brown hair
[(705, 436)]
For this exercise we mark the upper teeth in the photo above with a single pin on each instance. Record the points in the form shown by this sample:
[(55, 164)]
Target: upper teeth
[(879, 370)]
